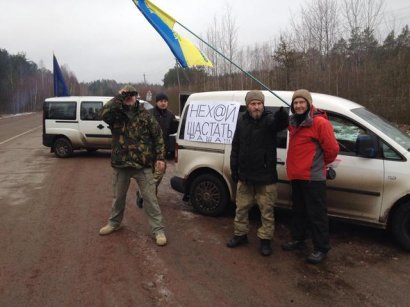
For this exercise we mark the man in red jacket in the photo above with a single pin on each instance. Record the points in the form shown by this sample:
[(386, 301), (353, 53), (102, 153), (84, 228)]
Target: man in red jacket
[(312, 146)]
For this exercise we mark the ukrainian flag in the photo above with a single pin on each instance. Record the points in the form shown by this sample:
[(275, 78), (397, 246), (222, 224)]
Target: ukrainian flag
[(187, 53)]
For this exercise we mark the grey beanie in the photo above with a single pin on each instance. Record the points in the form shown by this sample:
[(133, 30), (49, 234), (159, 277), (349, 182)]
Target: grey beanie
[(254, 95), (305, 94)]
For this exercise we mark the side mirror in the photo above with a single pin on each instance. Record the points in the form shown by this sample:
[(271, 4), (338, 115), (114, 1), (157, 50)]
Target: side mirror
[(366, 146)]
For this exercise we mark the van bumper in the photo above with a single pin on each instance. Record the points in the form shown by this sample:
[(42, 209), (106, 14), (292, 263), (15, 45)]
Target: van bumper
[(48, 139), (178, 184)]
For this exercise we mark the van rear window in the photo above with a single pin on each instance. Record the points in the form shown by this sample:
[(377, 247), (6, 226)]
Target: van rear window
[(61, 110)]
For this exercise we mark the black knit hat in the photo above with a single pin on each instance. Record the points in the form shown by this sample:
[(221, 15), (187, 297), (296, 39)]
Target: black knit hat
[(161, 96)]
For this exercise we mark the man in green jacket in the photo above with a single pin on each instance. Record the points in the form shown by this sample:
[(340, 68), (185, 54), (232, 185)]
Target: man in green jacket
[(137, 148)]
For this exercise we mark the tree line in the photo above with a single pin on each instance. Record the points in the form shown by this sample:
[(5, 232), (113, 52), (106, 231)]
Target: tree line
[(331, 46), (24, 85)]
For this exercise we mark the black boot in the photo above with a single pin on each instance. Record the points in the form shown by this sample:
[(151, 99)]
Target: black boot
[(316, 257), (292, 245), (237, 240), (266, 248)]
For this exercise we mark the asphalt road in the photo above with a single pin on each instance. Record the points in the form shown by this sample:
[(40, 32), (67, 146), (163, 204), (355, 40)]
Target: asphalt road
[(51, 253)]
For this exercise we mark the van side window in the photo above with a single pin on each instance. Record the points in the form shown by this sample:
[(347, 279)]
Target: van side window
[(61, 110), (89, 110), (390, 154), (346, 133)]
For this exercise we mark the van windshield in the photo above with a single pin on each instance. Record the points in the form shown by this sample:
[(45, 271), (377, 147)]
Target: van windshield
[(383, 125)]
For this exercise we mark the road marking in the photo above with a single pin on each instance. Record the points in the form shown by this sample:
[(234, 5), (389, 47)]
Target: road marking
[(16, 136)]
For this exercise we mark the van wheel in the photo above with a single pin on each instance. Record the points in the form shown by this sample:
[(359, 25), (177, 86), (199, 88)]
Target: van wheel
[(62, 148), (401, 225), (208, 195)]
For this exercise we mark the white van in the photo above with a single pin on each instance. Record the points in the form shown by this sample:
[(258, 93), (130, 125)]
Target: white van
[(372, 184), (71, 123)]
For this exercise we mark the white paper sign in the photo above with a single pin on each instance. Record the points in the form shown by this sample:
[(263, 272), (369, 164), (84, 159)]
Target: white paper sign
[(211, 121)]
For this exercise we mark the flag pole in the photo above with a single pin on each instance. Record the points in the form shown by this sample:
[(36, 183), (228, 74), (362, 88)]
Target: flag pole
[(233, 63), (177, 69)]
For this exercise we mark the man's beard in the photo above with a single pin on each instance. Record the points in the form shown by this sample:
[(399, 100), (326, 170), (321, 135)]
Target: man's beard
[(256, 114)]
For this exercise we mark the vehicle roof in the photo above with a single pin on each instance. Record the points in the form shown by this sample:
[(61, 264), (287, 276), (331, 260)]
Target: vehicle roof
[(322, 101), (76, 98), (88, 98)]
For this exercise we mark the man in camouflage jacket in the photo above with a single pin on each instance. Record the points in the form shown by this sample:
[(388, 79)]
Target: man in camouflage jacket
[(137, 148)]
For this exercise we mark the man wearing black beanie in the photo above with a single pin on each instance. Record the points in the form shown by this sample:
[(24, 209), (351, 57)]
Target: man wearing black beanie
[(165, 118)]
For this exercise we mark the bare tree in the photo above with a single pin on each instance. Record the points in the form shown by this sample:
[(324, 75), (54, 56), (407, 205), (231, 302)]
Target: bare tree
[(229, 41), (362, 14), (318, 28), (213, 39)]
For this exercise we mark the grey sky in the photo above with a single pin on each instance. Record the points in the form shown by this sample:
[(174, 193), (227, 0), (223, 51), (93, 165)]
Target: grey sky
[(110, 39)]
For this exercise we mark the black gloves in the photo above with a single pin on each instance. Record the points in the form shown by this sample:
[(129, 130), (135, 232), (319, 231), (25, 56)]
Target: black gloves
[(330, 173), (282, 118), (282, 114)]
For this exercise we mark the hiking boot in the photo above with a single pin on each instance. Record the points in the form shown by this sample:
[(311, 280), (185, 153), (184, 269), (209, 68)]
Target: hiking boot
[(293, 245), (107, 229), (237, 240), (140, 200), (316, 257), (266, 248), (160, 239)]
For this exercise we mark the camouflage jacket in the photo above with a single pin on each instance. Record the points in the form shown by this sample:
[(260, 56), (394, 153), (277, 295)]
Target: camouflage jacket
[(136, 136)]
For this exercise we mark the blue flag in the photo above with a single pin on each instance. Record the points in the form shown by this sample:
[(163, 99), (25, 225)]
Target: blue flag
[(185, 51), (60, 87)]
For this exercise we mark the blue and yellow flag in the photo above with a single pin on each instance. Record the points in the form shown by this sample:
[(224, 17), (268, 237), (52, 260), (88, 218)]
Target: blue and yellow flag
[(60, 87), (187, 53)]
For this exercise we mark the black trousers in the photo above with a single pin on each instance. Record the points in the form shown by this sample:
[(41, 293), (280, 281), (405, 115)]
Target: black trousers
[(310, 211)]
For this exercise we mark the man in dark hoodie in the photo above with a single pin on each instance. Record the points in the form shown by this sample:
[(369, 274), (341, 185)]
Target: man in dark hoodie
[(312, 146), (165, 118), (253, 167)]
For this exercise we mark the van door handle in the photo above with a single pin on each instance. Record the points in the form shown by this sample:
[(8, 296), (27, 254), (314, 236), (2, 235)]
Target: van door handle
[(100, 126)]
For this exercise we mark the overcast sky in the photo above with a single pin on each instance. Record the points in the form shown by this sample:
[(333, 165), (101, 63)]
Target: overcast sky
[(110, 39)]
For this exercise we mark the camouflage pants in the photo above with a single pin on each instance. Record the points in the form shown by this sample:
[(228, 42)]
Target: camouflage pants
[(120, 184), (265, 196)]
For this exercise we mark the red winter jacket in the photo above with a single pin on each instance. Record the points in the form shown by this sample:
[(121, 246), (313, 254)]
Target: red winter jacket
[(312, 145)]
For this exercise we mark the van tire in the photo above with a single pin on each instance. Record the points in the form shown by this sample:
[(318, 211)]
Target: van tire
[(401, 225), (62, 148), (208, 195)]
